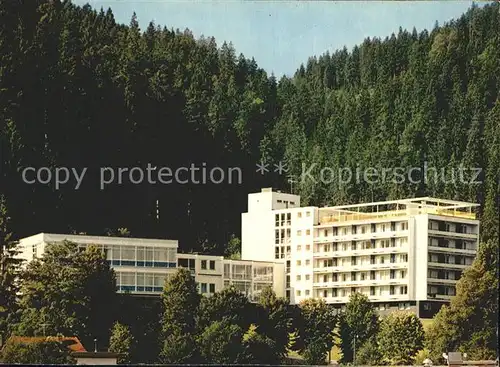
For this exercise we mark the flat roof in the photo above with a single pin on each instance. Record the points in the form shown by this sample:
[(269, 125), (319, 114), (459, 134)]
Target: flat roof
[(89, 239), (427, 201)]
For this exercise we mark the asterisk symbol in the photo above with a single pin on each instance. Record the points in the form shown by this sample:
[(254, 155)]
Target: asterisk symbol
[(262, 167), (280, 168)]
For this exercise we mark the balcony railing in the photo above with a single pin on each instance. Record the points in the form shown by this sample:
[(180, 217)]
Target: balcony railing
[(390, 215), (447, 265), (361, 252), (452, 250), (361, 236), (441, 281), (348, 268), (437, 232), (360, 283)]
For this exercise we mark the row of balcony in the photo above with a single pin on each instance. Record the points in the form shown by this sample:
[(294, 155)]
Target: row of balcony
[(361, 236), (360, 252), (361, 283), (451, 250), (348, 268)]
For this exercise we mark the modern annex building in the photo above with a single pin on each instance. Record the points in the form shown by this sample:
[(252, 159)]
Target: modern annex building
[(403, 254), (142, 265)]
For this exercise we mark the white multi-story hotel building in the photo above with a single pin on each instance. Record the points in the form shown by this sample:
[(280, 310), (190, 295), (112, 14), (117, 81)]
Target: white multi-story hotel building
[(142, 265), (405, 254)]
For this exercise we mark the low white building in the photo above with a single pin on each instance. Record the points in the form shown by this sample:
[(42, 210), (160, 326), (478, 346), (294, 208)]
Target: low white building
[(142, 265), (214, 273), (403, 254)]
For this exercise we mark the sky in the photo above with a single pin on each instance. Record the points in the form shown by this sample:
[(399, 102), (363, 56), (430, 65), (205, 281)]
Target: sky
[(283, 34)]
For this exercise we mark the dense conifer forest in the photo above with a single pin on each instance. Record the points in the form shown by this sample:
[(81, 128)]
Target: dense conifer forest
[(77, 89)]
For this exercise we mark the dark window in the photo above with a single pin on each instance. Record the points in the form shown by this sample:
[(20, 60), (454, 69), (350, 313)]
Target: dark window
[(203, 287), (212, 288), (204, 264), (212, 265)]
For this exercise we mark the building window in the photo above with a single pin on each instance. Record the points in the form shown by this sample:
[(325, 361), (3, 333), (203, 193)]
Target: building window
[(203, 287), (308, 214), (212, 265), (308, 262), (307, 276), (403, 290), (204, 264), (299, 233), (299, 215), (299, 247), (277, 220), (299, 293), (308, 247), (392, 291), (308, 232), (299, 262), (298, 277), (404, 226), (307, 292), (212, 288)]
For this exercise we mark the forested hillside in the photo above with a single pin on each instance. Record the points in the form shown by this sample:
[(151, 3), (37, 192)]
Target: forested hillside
[(79, 90)]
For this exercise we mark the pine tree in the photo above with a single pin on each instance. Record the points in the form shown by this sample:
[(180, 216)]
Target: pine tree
[(9, 271)]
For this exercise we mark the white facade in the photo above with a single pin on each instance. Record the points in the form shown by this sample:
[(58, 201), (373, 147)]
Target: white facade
[(399, 253), (402, 254), (257, 225), (143, 265)]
